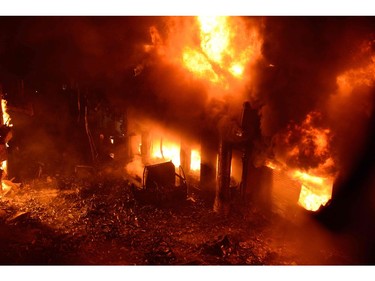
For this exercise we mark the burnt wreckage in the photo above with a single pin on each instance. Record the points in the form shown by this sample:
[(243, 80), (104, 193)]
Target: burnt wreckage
[(192, 132)]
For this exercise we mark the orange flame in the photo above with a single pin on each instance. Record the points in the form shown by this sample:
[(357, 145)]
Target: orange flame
[(316, 191), (195, 164), (224, 52), (362, 76), (166, 151), (6, 116), (4, 164), (170, 151), (307, 158)]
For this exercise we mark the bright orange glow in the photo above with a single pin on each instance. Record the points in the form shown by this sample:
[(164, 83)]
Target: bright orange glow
[(197, 63), (306, 156), (5, 187), (311, 201), (195, 163), (236, 70), (315, 190), (272, 165), (215, 35), (312, 140), (6, 121), (6, 117), (304, 177), (170, 151), (165, 151), (362, 76), (224, 51)]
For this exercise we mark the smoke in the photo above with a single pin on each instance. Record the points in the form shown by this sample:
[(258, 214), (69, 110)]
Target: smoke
[(168, 91), (136, 62), (303, 56)]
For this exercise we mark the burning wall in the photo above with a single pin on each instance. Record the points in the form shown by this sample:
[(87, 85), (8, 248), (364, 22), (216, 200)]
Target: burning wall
[(309, 78), (295, 71)]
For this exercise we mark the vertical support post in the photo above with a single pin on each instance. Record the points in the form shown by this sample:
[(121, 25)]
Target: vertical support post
[(185, 157), (222, 198), (245, 125), (125, 133), (145, 147), (208, 166)]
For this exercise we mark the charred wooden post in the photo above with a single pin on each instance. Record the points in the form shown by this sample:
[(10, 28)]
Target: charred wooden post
[(222, 198), (208, 165), (245, 124), (185, 157), (254, 180), (125, 133)]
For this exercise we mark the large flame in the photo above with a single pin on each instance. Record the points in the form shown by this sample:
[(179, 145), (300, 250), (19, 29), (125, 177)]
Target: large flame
[(195, 162), (316, 191), (307, 158), (223, 52), (165, 150)]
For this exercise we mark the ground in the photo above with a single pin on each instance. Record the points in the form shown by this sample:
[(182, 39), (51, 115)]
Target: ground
[(97, 221)]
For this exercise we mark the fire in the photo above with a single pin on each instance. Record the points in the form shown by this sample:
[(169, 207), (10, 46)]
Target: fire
[(6, 116), (311, 201), (166, 151), (215, 35), (272, 165), (362, 76), (315, 190), (162, 150), (195, 164), (307, 158), (6, 122), (224, 51), (197, 63)]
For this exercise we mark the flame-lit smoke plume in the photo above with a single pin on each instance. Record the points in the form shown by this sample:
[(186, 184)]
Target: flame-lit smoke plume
[(197, 72), (311, 94), (292, 70)]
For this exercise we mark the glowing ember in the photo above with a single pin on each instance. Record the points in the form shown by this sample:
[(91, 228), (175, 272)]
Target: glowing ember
[(304, 177), (272, 165), (6, 117), (4, 165), (5, 186)]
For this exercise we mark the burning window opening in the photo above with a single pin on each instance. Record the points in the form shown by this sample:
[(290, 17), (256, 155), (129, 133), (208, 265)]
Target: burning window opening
[(157, 146)]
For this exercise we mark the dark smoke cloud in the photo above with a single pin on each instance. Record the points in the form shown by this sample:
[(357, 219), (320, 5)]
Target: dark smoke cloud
[(307, 53), (81, 48), (302, 58)]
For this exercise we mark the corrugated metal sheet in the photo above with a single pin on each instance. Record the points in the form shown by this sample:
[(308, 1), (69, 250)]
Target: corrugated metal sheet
[(285, 194)]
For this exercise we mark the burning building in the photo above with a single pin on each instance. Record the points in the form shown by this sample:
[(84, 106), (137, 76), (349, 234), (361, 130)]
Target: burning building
[(271, 113)]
